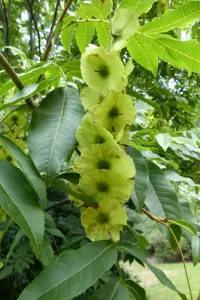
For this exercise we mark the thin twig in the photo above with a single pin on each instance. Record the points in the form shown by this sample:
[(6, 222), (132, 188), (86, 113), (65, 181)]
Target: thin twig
[(49, 44), (119, 270), (5, 23), (57, 204), (78, 151), (54, 20), (13, 75), (36, 27)]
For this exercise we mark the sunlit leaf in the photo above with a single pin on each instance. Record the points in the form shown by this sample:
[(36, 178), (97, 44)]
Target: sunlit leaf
[(84, 34), (140, 6), (143, 52), (164, 140), (178, 18)]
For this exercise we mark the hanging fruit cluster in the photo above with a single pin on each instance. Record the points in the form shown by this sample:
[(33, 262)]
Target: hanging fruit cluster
[(107, 172)]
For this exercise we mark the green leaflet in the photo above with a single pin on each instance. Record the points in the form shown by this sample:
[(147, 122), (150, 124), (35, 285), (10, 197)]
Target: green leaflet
[(19, 200), (53, 126), (173, 176), (162, 201), (14, 244), (27, 167), (142, 242), (184, 225), (141, 180), (143, 52), (102, 30), (67, 36), (84, 34), (140, 6), (178, 18), (29, 77), (136, 291), (29, 91), (187, 215), (70, 176), (67, 32), (112, 290), (95, 9), (128, 248), (164, 140), (180, 54), (72, 273), (195, 249), (161, 198), (46, 255)]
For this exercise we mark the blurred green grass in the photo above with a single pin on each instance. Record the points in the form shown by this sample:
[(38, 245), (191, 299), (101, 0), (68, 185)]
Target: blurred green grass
[(175, 271)]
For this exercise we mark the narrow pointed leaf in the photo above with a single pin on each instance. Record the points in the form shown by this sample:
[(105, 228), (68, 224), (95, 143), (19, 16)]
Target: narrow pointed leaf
[(162, 201), (180, 54), (52, 135), (29, 91), (84, 34), (67, 36), (14, 244), (46, 255), (136, 291), (27, 167), (161, 198), (164, 140), (100, 11), (141, 180), (31, 76), (128, 248), (112, 290), (178, 18), (142, 242), (183, 224), (70, 176), (19, 200), (72, 273), (140, 6), (195, 249), (103, 34), (187, 215), (95, 8)]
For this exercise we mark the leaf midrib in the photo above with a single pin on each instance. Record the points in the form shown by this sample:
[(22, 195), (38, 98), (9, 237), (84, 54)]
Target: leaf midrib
[(21, 214), (71, 275), (169, 24), (56, 133), (170, 48)]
